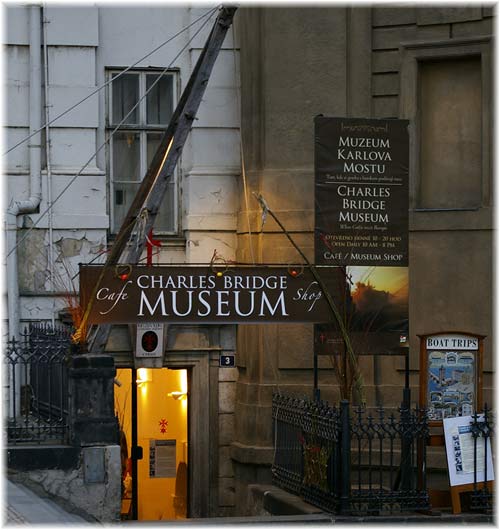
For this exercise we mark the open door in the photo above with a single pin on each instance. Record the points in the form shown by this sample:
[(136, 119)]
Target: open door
[(152, 409)]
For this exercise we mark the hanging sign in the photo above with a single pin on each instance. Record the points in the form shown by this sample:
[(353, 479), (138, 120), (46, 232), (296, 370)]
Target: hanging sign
[(361, 226), (198, 295), (361, 168)]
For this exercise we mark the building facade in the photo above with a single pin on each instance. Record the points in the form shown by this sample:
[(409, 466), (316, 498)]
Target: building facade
[(65, 205), (432, 66), (278, 69)]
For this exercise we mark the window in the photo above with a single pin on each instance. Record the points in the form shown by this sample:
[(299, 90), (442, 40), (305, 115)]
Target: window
[(134, 144), (450, 133), (446, 94)]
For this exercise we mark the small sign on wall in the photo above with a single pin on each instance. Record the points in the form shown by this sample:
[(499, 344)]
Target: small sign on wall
[(162, 458), (226, 361), (149, 341)]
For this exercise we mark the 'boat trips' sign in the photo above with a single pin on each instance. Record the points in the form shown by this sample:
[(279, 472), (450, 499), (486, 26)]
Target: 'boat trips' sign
[(126, 294), (450, 375)]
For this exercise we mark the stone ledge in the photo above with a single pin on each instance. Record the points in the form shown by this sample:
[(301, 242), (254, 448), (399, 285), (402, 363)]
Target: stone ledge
[(31, 457), (252, 454), (89, 361), (257, 520), (279, 502), (92, 373)]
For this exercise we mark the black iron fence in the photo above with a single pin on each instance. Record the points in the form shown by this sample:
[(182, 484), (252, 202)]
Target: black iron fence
[(385, 452), (361, 462), (36, 384), (307, 449), (350, 464), (482, 435)]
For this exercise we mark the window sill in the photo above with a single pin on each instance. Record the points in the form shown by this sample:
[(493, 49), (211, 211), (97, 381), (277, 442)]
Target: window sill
[(452, 219), (431, 210)]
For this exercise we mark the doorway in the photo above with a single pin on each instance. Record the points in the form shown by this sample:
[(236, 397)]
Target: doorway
[(152, 409)]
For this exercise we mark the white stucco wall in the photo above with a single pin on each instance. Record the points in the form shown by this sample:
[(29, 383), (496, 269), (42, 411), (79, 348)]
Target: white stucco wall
[(83, 41)]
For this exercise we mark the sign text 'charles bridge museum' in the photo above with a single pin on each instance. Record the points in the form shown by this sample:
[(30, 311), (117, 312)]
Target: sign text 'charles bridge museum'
[(198, 294)]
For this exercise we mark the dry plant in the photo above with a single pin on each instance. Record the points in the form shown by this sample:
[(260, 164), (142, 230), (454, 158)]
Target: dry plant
[(347, 372), (72, 299)]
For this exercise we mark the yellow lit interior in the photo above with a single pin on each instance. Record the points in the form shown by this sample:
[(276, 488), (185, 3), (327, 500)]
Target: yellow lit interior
[(158, 498)]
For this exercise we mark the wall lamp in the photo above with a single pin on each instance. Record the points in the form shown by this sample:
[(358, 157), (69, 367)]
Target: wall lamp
[(177, 395), (143, 376)]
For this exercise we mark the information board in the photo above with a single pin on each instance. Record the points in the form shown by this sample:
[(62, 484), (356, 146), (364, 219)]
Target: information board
[(450, 375), (162, 458), (460, 451)]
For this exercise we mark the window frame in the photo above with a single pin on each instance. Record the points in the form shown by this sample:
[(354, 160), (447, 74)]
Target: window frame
[(142, 129), (414, 53)]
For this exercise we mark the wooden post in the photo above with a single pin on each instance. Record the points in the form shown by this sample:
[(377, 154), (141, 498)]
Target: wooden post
[(455, 492)]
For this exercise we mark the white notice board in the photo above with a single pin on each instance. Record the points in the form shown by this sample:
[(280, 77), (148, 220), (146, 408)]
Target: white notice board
[(162, 458), (460, 452)]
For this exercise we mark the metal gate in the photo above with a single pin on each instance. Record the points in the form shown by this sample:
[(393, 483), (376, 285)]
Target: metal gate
[(346, 463), (36, 385)]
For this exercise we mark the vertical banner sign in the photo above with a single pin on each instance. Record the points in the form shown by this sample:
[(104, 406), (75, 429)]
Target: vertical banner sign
[(361, 226)]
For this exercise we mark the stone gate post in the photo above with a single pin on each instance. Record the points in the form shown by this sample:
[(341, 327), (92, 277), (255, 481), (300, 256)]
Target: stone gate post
[(92, 417)]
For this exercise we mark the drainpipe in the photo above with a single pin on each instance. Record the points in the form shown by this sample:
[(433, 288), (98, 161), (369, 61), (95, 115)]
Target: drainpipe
[(47, 158), (30, 205)]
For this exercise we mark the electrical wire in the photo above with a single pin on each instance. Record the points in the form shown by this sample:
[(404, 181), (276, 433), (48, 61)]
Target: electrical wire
[(266, 341), (81, 331), (41, 215), (98, 89), (243, 170)]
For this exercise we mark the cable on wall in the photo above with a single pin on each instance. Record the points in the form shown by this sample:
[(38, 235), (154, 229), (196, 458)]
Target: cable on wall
[(48, 155), (243, 171), (265, 338), (98, 89), (41, 215)]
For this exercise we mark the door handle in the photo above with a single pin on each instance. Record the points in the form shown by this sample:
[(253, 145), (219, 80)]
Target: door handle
[(137, 452)]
